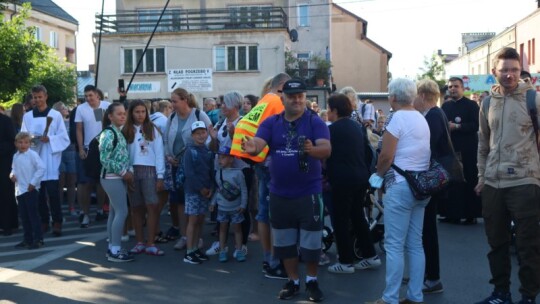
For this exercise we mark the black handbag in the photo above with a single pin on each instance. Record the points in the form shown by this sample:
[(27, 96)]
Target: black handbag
[(451, 163)]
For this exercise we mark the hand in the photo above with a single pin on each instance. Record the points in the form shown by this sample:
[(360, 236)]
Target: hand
[(31, 188), (204, 192), (240, 210), (44, 139), (128, 177), (210, 193), (376, 181), (82, 154), (213, 133), (308, 146), (13, 178), (451, 126), (211, 208), (173, 161), (248, 145), (159, 185), (230, 129), (479, 187)]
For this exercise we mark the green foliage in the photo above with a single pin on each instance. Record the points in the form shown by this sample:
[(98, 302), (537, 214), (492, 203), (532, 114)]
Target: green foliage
[(433, 69), (291, 64), (323, 65), (25, 62)]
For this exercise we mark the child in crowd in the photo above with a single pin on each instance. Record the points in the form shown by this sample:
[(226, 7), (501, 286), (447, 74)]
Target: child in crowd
[(231, 198), (27, 170), (147, 161), (198, 163)]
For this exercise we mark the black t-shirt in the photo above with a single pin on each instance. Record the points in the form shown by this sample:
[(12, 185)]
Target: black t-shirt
[(437, 127), (346, 166)]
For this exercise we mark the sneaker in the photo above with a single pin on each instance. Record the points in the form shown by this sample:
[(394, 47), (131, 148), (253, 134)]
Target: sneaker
[(341, 268), (172, 234), (324, 259), (181, 244), (240, 256), (201, 256), (101, 216), (244, 250), (125, 238), (121, 257), (192, 258), (407, 301), (265, 267), (437, 288), (223, 256), (36, 245), (85, 221), (276, 273), (214, 249), (378, 301), (22, 245), (313, 291), (81, 217), (497, 297), (368, 263), (132, 232), (289, 290)]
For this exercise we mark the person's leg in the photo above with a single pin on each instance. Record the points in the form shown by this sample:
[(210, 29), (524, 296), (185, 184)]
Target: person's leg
[(343, 197), (44, 207), (415, 252), (397, 212), (360, 224), (238, 237), (101, 198), (83, 197), (430, 240), (523, 202), (152, 221), (198, 230), (54, 203), (28, 232), (263, 216), (285, 229), (246, 224), (32, 202), (223, 230), (291, 266), (61, 184), (497, 226), (116, 191), (190, 232), (70, 181), (137, 218)]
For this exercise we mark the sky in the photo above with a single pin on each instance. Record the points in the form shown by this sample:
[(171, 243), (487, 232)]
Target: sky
[(409, 29)]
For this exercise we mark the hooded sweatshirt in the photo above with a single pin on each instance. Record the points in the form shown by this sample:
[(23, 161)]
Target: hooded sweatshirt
[(507, 152)]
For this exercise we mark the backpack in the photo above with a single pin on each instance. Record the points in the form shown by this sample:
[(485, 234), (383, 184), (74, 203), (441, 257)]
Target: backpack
[(92, 164), (531, 107)]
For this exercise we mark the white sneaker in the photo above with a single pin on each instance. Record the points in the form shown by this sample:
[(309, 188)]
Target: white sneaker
[(341, 268), (125, 238), (214, 249), (181, 244), (372, 262), (131, 232), (244, 249)]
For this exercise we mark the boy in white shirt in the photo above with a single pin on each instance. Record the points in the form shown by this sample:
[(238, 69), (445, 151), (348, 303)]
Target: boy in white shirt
[(27, 170)]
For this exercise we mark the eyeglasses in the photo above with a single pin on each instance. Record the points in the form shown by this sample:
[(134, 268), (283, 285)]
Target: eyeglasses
[(509, 71)]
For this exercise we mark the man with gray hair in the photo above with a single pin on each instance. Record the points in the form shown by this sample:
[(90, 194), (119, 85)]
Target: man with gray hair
[(209, 107)]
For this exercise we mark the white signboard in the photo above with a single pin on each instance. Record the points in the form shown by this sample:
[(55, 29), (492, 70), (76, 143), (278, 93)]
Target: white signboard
[(193, 80), (145, 87)]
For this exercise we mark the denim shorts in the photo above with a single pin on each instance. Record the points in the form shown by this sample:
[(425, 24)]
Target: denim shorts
[(69, 163), (234, 217), (196, 204), (263, 175)]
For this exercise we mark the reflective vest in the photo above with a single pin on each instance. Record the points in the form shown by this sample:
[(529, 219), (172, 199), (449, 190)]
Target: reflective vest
[(270, 105)]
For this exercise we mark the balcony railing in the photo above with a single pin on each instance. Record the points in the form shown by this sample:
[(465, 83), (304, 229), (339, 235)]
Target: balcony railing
[(177, 20)]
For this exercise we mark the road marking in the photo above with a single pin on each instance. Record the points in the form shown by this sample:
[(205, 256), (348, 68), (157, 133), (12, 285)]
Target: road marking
[(47, 241), (12, 269)]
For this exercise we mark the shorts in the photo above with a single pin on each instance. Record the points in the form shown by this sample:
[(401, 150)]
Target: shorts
[(145, 186), (234, 217), (176, 196), (196, 204), (68, 164), (297, 223), (263, 175), (82, 178)]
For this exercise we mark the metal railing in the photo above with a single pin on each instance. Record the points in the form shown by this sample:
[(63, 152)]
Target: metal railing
[(180, 20)]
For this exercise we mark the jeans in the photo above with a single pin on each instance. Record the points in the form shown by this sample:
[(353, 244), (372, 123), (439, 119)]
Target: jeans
[(28, 211), (49, 189), (403, 219), (520, 204), (263, 174)]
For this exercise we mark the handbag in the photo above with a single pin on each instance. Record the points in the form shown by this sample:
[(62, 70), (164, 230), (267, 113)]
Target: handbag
[(425, 183), (451, 163), (229, 191)]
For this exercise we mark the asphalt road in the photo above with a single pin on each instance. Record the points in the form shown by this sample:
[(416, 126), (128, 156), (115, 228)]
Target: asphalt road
[(73, 269)]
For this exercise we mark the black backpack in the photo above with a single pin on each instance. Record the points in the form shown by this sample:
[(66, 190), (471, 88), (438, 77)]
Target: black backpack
[(92, 164)]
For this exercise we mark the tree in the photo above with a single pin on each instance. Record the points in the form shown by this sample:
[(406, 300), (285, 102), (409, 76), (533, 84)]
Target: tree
[(25, 62), (433, 69)]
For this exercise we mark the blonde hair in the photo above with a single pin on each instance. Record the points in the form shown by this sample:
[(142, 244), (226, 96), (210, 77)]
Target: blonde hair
[(22, 135), (184, 94), (266, 86), (163, 104), (430, 89)]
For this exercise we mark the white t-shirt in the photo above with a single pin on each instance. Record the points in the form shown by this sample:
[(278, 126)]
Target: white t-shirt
[(412, 131), (92, 122)]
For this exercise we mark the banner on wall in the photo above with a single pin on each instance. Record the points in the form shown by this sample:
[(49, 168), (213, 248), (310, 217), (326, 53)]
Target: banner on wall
[(193, 80), (480, 83)]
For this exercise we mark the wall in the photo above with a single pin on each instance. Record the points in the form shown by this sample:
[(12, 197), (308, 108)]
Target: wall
[(527, 33)]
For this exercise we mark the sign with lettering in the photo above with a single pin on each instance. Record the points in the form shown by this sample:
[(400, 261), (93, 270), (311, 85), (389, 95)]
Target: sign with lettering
[(480, 83), (193, 80), (145, 87)]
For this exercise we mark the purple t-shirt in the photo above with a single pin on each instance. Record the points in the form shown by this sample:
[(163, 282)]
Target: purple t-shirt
[(287, 178)]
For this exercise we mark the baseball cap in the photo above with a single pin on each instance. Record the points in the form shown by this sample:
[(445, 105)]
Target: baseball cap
[(197, 125), (224, 150), (294, 86)]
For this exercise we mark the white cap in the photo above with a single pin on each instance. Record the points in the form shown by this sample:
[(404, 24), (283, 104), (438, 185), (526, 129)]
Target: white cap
[(197, 125)]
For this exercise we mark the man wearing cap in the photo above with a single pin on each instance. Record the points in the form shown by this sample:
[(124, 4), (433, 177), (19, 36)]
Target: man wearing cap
[(298, 141)]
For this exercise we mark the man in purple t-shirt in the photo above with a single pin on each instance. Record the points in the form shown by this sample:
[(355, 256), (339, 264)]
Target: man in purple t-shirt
[(298, 141)]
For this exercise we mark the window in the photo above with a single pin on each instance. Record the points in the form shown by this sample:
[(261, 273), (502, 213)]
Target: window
[(37, 33), (254, 15), (533, 52), (303, 64), (529, 52), (148, 18), (236, 58), (303, 15), (53, 39), (153, 61), (521, 52)]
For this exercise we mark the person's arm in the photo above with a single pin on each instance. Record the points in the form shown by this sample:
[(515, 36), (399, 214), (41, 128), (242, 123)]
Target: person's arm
[(472, 124), (321, 150), (243, 190), (58, 135), (106, 150), (484, 134), (253, 145), (39, 168), (80, 139), (386, 157)]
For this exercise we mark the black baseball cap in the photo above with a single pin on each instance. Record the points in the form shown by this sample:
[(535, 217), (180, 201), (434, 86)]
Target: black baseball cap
[(294, 86)]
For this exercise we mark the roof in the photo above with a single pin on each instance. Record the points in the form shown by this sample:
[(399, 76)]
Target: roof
[(50, 8), (83, 82)]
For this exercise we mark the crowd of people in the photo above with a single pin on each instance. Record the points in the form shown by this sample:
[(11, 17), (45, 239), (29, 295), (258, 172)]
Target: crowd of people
[(272, 167)]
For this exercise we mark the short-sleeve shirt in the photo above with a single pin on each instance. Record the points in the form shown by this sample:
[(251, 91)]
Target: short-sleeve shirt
[(92, 123), (287, 179), (413, 147)]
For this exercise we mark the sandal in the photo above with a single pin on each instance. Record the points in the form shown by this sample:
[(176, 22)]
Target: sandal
[(153, 250), (139, 248), (160, 239)]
